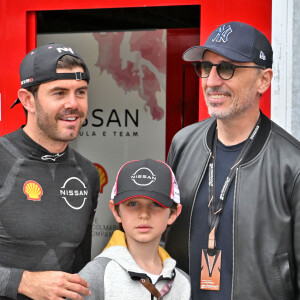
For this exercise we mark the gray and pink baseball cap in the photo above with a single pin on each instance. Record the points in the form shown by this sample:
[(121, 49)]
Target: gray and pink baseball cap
[(148, 178)]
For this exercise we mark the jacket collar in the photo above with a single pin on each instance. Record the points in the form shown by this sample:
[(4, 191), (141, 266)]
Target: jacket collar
[(116, 250), (32, 150), (258, 143)]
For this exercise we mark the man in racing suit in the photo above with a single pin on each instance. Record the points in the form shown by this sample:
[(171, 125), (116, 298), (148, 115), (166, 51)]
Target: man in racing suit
[(239, 177), (48, 191)]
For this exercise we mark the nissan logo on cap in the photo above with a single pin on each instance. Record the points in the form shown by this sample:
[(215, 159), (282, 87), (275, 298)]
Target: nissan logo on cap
[(143, 177)]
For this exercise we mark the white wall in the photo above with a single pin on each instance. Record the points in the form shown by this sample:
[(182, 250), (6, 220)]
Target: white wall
[(285, 104)]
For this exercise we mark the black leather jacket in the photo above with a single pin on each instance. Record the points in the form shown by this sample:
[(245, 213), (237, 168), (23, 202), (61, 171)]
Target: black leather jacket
[(266, 216)]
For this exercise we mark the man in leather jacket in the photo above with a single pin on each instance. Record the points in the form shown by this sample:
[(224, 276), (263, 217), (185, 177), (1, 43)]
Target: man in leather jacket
[(238, 235)]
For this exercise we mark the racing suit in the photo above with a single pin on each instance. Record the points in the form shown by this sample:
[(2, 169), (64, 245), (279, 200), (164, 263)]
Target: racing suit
[(47, 205)]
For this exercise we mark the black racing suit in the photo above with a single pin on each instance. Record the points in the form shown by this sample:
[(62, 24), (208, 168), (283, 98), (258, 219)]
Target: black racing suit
[(47, 205)]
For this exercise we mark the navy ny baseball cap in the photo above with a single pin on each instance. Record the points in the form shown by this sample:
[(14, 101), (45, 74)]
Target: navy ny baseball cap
[(236, 41), (148, 178), (39, 66)]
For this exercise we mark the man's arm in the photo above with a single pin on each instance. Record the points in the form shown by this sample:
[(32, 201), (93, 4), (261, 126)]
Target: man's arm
[(53, 285), (49, 284), (41, 285), (59, 285), (9, 281)]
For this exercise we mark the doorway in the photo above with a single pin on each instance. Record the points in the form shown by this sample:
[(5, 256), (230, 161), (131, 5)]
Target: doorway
[(141, 92)]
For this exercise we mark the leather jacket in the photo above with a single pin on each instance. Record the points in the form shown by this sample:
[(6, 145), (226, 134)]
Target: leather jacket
[(266, 216)]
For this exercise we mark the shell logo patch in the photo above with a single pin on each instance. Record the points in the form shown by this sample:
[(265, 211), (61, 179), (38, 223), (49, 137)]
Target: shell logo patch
[(103, 176), (33, 190)]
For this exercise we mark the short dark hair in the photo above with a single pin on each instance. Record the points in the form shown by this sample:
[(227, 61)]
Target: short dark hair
[(69, 62)]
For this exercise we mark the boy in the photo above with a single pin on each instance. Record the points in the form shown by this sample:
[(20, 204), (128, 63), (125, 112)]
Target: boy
[(133, 265)]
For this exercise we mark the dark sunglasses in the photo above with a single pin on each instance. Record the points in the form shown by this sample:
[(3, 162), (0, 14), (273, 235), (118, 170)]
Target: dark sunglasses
[(225, 70)]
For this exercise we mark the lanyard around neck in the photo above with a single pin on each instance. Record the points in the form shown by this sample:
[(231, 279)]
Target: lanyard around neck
[(215, 207)]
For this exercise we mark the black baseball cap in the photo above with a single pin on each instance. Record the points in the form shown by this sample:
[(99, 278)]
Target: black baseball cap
[(39, 66), (236, 41), (148, 178)]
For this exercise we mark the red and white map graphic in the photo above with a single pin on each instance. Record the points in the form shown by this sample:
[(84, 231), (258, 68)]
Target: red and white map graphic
[(137, 62)]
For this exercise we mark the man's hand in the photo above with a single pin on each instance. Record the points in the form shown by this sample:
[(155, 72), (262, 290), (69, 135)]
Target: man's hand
[(53, 285)]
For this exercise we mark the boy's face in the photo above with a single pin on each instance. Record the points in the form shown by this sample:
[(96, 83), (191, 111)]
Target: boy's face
[(143, 220)]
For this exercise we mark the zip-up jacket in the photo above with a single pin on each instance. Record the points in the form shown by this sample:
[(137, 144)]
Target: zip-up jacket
[(114, 275), (266, 212)]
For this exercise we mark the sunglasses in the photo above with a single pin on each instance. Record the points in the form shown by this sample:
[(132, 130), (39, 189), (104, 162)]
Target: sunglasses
[(225, 69)]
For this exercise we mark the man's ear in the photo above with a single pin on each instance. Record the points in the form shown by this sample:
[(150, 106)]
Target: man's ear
[(114, 212), (265, 80), (27, 100), (174, 214)]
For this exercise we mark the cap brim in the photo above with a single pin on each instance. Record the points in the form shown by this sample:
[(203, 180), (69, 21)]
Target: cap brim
[(15, 103), (196, 54), (159, 198)]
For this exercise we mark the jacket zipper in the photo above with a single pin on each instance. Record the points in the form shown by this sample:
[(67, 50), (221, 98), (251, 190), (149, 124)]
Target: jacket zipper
[(196, 193), (233, 226)]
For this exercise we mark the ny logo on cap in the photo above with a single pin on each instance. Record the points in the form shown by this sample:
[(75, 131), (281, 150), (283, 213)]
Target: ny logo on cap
[(65, 49), (222, 34)]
